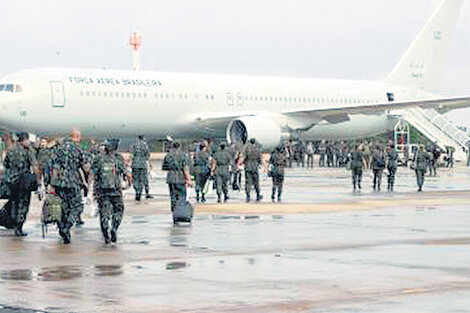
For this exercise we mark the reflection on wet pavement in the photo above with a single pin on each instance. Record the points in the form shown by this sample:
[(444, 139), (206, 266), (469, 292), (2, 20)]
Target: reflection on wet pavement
[(397, 259)]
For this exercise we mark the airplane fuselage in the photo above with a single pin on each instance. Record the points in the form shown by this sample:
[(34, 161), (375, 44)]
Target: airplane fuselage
[(126, 103)]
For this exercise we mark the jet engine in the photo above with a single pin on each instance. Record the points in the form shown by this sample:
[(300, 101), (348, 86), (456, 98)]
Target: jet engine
[(266, 131)]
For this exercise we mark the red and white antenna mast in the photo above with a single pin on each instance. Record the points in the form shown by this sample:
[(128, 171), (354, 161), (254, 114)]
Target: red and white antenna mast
[(135, 41)]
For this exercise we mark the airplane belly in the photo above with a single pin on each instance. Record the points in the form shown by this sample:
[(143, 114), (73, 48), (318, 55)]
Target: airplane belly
[(359, 126)]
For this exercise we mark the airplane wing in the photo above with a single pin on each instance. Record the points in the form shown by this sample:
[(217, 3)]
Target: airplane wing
[(333, 113), (330, 113)]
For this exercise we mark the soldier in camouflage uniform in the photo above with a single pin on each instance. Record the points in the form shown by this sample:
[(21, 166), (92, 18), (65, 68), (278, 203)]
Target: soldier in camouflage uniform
[(278, 162), (19, 160), (468, 153), (68, 166), (252, 161), (356, 167), (420, 160), (221, 169), (329, 154), (392, 165), (176, 163), (378, 166), (108, 168), (140, 157), (201, 170), (322, 151)]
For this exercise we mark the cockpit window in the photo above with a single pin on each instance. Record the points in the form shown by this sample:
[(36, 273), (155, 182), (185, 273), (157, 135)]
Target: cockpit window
[(11, 88)]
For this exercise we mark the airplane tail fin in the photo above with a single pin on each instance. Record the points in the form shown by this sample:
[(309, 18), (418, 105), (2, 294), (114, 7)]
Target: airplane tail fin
[(423, 63)]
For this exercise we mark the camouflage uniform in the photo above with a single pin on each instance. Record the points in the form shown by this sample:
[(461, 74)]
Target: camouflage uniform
[(378, 166), (468, 153), (278, 161), (140, 156), (310, 154), (420, 160), (356, 168), (108, 168), (19, 160), (201, 172), (67, 181), (322, 151), (222, 173), (175, 163), (392, 165), (329, 154), (252, 163)]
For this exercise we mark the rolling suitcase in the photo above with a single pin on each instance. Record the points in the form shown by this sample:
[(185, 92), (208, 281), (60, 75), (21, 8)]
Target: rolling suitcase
[(183, 212)]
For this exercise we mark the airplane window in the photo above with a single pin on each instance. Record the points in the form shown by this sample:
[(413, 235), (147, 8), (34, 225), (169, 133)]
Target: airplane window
[(207, 97), (116, 94), (212, 97), (186, 96), (166, 96), (99, 93), (110, 94), (145, 95), (81, 92), (93, 93), (2, 87), (133, 95), (128, 94), (105, 94), (180, 96), (256, 98), (9, 88)]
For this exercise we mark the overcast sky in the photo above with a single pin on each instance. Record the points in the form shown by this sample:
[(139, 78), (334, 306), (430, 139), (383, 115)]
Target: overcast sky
[(360, 39)]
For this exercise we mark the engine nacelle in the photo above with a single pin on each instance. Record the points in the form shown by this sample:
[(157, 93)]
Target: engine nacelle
[(266, 131)]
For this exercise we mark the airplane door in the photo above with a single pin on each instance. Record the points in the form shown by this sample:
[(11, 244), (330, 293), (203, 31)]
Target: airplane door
[(57, 94)]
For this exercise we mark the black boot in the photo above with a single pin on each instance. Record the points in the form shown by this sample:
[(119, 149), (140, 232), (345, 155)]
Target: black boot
[(113, 236), (259, 197), (19, 232), (65, 236), (79, 221), (148, 196), (273, 194), (203, 199), (137, 196)]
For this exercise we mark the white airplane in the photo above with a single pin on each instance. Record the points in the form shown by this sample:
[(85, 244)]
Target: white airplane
[(127, 103)]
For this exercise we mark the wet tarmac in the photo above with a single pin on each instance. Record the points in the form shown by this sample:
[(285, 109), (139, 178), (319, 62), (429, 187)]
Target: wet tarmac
[(325, 249)]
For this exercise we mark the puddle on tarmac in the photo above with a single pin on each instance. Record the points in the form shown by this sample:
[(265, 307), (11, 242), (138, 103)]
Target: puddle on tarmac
[(62, 273), (17, 275), (176, 265), (108, 270)]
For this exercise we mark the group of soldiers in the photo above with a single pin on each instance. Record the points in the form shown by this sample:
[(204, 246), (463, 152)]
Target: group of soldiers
[(66, 170), (223, 165)]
